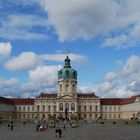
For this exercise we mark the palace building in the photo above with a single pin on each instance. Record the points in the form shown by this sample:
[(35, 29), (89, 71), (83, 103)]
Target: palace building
[(67, 102)]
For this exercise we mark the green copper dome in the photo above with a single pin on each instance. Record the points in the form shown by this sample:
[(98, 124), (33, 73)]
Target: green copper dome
[(67, 72)]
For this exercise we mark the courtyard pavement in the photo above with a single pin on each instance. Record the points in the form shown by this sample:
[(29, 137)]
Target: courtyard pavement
[(83, 132)]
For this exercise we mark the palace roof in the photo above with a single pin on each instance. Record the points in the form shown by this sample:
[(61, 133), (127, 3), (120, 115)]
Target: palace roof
[(47, 95), (4, 100), (89, 95), (22, 101), (118, 101)]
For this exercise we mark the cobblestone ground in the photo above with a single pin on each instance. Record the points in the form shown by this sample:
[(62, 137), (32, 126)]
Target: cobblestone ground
[(83, 132)]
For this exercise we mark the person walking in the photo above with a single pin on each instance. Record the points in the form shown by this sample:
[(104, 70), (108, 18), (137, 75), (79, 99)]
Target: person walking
[(60, 133), (12, 126)]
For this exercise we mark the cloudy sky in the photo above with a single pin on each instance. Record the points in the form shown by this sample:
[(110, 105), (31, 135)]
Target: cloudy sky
[(103, 38)]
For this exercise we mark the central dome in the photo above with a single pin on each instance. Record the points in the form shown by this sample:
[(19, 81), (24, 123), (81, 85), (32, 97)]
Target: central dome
[(67, 72)]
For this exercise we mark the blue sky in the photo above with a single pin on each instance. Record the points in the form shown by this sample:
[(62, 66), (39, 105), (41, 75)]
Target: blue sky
[(102, 37)]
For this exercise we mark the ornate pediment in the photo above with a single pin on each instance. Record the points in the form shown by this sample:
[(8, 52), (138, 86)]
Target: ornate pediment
[(66, 97)]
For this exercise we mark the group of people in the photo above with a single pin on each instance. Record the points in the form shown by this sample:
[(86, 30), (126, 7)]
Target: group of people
[(58, 132), (11, 126), (41, 128)]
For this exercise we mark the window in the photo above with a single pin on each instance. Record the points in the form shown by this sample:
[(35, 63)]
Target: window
[(43, 116), (24, 108), (105, 108), (28, 108), (114, 108), (32, 115), (90, 108), (61, 106), (67, 87), (102, 108), (96, 108), (85, 108), (110, 108), (60, 88), (43, 107), (49, 108), (79, 108), (73, 88), (19, 108), (38, 107), (32, 108), (54, 108), (72, 107)]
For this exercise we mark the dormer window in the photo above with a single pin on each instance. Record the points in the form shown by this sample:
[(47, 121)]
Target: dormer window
[(67, 73), (137, 99)]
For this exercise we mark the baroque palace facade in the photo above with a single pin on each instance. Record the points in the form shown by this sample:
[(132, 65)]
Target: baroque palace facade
[(67, 102)]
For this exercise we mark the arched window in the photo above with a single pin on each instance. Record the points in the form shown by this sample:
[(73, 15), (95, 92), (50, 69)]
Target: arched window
[(72, 107), (67, 87), (61, 106), (67, 106), (60, 88), (73, 88)]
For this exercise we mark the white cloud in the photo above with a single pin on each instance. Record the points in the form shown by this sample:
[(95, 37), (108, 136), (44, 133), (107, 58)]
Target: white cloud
[(22, 21), (130, 39), (25, 61), (111, 75), (13, 88), (9, 87), (80, 18), (5, 50), (60, 57), (116, 21), (20, 27), (86, 89), (119, 41), (30, 60), (132, 65), (123, 83), (44, 76)]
